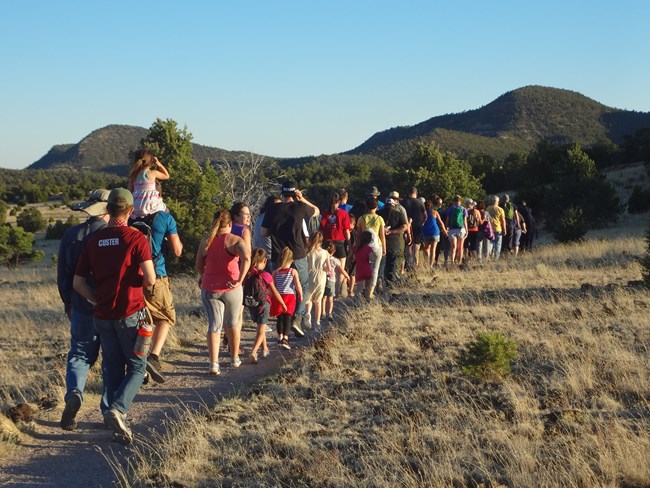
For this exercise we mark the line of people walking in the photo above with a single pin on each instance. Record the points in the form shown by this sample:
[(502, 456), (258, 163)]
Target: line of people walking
[(290, 265)]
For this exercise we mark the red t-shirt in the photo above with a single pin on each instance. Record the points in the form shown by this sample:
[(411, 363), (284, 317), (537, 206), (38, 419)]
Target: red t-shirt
[(333, 226), (113, 256)]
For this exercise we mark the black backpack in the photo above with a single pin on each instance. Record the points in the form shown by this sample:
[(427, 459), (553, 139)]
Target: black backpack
[(144, 224), (255, 291)]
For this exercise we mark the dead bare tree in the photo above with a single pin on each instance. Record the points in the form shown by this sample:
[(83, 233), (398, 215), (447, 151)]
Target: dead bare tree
[(245, 180)]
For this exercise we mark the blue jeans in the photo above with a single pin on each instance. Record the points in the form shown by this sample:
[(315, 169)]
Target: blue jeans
[(123, 370), (84, 349), (303, 274), (496, 249)]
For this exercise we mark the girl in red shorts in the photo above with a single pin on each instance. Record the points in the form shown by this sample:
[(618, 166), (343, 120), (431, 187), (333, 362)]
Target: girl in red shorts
[(287, 283)]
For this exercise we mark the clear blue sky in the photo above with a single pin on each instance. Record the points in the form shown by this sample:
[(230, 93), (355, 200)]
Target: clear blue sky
[(296, 78)]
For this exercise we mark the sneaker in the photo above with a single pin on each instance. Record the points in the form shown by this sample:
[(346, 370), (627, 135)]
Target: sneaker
[(146, 379), (329, 318), (214, 369), (295, 327), (72, 406), (116, 420), (305, 324), (235, 362), (269, 329), (266, 353), (154, 369), (284, 344), (253, 357)]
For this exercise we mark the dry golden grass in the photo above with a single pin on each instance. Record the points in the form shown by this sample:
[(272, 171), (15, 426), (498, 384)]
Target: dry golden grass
[(380, 400)]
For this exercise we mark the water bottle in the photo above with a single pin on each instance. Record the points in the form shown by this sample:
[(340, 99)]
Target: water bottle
[(143, 339)]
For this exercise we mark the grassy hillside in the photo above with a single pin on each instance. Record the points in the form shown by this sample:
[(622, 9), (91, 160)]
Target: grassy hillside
[(380, 400)]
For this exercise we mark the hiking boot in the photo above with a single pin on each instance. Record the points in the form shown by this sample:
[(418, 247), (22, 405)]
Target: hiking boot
[(295, 326), (253, 357), (154, 369), (214, 369), (116, 420), (305, 324), (235, 362), (284, 344), (72, 406)]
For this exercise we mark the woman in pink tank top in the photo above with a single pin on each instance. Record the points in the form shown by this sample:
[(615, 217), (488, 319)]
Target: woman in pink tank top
[(222, 260)]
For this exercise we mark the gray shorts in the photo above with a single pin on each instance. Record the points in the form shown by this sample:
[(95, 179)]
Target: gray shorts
[(223, 309)]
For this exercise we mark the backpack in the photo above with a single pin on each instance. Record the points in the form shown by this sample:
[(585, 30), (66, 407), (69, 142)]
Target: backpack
[(472, 220), (456, 219), (144, 224), (255, 290), (72, 253), (486, 228)]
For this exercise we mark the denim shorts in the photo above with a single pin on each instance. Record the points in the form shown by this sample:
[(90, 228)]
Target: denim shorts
[(260, 315)]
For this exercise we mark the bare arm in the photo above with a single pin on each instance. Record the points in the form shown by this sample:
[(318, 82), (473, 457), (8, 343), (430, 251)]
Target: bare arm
[(300, 198), (176, 244), (297, 285), (199, 263), (80, 285), (382, 238), (443, 228), (160, 173), (248, 239), (148, 273), (344, 273), (244, 252)]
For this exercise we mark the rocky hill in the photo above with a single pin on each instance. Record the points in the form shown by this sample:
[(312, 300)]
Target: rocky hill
[(515, 121), (109, 149)]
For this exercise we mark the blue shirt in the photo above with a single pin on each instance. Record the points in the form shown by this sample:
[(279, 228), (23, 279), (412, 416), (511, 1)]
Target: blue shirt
[(430, 227), (162, 226)]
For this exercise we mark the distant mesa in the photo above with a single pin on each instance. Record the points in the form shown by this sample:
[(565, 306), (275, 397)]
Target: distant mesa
[(514, 122)]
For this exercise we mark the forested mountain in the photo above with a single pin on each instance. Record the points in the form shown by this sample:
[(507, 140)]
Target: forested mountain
[(514, 122), (109, 148)]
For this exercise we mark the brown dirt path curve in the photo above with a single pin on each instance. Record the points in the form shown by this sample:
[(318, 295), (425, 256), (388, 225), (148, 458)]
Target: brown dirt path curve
[(50, 456)]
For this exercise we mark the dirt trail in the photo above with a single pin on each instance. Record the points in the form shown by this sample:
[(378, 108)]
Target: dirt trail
[(50, 456)]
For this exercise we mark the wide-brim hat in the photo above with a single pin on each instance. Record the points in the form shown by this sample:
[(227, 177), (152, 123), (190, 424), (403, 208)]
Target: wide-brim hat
[(373, 192), (95, 205)]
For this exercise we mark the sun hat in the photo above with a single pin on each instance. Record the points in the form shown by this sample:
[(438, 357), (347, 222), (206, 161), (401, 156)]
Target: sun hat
[(394, 195), (95, 204)]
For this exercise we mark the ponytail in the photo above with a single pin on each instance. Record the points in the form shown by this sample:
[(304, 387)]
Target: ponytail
[(221, 220)]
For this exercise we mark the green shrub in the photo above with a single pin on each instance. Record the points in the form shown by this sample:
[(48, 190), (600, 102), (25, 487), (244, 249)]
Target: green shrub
[(639, 200), (489, 355), (57, 229), (31, 220), (570, 227)]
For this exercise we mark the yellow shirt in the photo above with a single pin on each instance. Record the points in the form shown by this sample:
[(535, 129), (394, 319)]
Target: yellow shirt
[(496, 214), (372, 221)]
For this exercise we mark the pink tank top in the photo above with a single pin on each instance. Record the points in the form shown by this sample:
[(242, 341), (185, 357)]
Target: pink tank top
[(221, 267)]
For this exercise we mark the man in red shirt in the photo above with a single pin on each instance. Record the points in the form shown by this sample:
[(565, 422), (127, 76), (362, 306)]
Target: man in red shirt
[(117, 259)]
